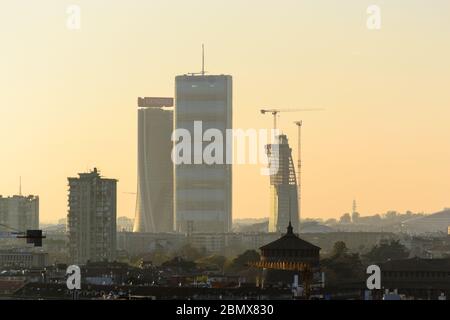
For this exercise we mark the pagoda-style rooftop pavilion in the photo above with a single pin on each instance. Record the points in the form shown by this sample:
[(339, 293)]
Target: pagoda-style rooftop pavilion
[(290, 248)]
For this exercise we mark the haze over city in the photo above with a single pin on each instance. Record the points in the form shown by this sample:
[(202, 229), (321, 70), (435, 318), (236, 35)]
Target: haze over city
[(68, 100)]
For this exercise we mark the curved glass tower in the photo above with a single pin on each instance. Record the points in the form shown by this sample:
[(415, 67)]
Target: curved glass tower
[(154, 202)]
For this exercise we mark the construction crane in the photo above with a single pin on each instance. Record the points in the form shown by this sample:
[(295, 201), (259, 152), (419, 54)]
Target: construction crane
[(275, 112), (33, 236), (299, 163)]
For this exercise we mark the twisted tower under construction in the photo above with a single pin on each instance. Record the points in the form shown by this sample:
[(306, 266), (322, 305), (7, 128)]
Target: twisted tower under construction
[(283, 186)]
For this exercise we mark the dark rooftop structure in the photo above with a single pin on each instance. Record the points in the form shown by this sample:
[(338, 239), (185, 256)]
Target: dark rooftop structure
[(418, 264), (290, 255), (416, 277), (291, 248)]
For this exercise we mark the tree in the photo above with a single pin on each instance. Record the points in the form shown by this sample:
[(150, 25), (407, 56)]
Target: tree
[(159, 256), (180, 264), (213, 261), (339, 249), (345, 218), (233, 249), (342, 266), (331, 221), (393, 250), (391, 215), (240, 263), (355, 217), (188, 252)]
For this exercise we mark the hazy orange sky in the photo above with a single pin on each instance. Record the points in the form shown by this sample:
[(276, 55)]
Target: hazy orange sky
[(68, 98)]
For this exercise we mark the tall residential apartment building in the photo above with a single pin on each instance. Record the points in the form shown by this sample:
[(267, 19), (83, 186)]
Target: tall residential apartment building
[(283, 187), (154, 202), (203, 198), (19, 212), (91, 220)]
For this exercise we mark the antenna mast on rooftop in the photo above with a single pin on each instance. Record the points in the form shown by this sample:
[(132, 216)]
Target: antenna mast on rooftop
[(203, 72)]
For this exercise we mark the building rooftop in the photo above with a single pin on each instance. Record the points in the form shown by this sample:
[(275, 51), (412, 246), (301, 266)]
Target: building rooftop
[(289, 241), (417, 264), (155, 102), (95, 173), (199, 76)]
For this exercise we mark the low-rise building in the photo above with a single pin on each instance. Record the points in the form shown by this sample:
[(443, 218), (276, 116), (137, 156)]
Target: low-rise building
[(23, 259), (416, 277)]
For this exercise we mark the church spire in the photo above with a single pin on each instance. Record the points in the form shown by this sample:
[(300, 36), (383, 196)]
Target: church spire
[(290, 230)]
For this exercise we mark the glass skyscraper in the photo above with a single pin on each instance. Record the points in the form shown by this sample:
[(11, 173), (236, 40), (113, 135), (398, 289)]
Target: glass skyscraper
[(203, 194), (154, 202)]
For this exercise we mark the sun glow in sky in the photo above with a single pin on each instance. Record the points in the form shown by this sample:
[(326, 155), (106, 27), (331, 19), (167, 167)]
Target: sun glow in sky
[(68, 97)]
